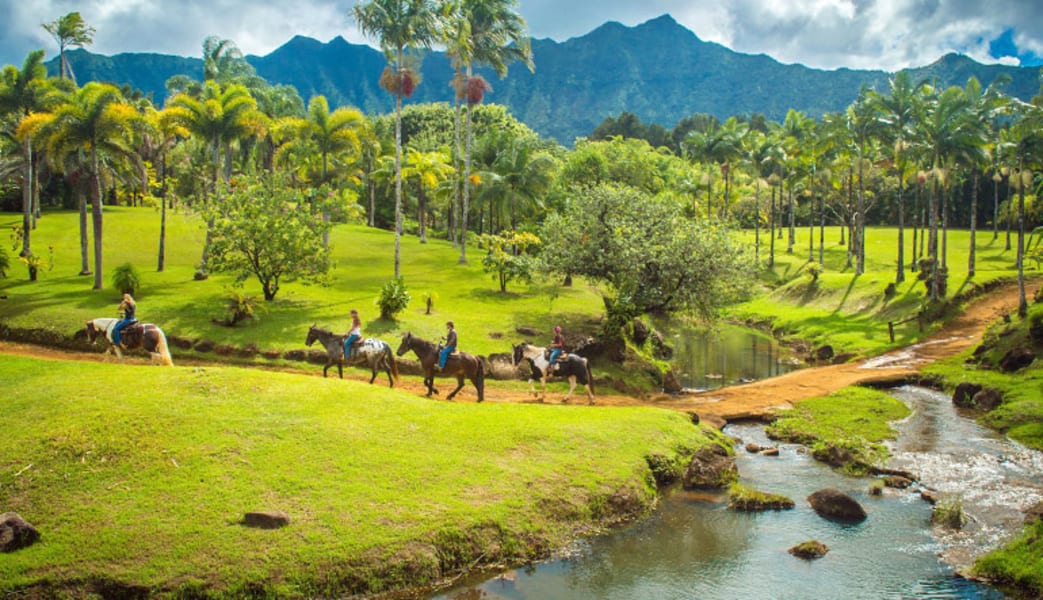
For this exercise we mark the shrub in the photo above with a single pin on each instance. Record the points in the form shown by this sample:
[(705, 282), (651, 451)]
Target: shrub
[(812, 271), (5, 263), (125, 279), (394, 298), (239, 307)]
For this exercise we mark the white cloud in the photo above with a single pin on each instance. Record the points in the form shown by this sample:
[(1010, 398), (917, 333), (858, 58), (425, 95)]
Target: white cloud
[(870, 34)]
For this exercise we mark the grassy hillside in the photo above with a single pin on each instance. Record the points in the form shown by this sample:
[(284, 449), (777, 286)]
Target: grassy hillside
[(138, 476), (486, 319)]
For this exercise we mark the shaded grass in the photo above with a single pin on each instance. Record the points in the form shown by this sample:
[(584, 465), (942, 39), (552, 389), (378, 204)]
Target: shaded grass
[(140, 476)]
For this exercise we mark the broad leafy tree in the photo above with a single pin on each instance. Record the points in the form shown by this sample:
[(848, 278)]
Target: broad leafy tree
[(265, 229)]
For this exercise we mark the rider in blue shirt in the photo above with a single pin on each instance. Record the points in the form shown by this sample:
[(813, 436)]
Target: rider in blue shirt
[(556, 348), (127, 308)]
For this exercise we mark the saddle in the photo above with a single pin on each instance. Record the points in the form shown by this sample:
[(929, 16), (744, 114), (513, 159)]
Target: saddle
[(132, 335)]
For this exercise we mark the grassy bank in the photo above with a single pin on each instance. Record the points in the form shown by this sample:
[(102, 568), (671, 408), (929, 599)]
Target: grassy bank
[(846, 429), (138, 477), (852, 313)]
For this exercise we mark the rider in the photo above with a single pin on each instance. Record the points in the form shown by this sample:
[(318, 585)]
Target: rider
[(354, 334), (556, 347), (126, 309), (449, 345)]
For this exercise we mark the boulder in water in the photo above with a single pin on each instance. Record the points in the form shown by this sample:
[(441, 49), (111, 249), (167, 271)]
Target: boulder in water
[(833, 504), (809, 550), (711, 468)]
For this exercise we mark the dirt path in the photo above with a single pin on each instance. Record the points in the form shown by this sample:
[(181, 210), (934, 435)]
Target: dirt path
[(717, 406)]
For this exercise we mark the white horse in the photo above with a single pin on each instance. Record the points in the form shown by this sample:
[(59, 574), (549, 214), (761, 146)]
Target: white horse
[(133, 336), (574, 367)]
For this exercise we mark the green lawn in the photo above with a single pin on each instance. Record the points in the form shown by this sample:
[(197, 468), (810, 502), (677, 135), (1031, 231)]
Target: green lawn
[(137, 475)]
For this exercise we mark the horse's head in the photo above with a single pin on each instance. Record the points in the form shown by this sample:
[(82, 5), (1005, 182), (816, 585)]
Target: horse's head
[(518, 355), (313, 334), (407, 343)]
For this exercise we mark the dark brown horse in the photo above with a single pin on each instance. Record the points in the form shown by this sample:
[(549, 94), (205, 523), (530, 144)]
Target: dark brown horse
[(459, 365), (132, 337)]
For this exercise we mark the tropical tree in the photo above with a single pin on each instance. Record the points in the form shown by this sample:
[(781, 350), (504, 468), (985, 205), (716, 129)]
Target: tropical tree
[(897, 113), (161, 132), (218, 119), (1028, 132), (983, 106), (21, 93), (864, 125), (399, 25), (427, 169), (97, 120), (69, 31), (523, 172), (489, 32)]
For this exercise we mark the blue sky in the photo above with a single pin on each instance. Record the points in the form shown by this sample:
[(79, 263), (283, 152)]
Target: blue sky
[(827, 34)]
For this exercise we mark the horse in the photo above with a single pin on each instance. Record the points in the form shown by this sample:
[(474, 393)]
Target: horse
[(458, 364), (374, 353), (574, 367), (133, 336)]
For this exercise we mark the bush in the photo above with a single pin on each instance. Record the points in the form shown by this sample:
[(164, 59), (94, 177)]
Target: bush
[(239, 307), (5, 263), (812, 271), (394, 298), (949, 513), (125, 279)]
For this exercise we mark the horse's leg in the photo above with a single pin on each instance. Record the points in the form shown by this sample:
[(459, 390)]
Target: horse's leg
[(532, 387), (373, 368), (590, 394), (459, 385), (340, 368), (119, 353), (429, 381), (572, 386), (326, 368), (387, 369)]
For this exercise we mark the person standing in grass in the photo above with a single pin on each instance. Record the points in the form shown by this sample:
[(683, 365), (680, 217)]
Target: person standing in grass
[(354, 335), (127, 309), (448, 346)]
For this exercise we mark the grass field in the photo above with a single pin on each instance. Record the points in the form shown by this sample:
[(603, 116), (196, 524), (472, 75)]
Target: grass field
[(139, 476)]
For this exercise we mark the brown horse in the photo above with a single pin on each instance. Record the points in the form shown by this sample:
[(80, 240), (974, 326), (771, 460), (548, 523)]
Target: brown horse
[(459, 365), (133, 336)]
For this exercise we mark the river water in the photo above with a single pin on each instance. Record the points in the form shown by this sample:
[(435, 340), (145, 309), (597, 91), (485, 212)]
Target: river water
[(706, 359), (693, 546)]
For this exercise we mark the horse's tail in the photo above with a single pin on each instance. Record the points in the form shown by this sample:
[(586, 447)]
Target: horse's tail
[(391, 359), (163, 349)]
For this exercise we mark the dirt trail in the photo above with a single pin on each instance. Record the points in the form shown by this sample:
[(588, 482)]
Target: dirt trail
[(717, 406)]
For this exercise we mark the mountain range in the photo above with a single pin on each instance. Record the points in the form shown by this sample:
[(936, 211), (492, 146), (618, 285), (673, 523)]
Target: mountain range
[(658, 70)]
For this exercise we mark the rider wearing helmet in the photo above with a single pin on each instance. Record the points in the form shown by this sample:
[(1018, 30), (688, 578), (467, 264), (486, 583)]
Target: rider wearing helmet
[(354, 335), (126, 309), (556, 347)]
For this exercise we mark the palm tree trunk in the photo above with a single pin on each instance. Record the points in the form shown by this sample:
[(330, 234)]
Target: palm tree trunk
[(900, 270), (96, 216), (161, 174), (860, 218), (85, 267), (771, 222), (1023, 306), (974, 225), (466, 181), (995, 208), (398, 180), (932, 242), (757, 222), (792, 222), (27, 204)]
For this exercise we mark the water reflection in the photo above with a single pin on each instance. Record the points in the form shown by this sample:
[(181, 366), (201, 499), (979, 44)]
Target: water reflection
[(708, 359)]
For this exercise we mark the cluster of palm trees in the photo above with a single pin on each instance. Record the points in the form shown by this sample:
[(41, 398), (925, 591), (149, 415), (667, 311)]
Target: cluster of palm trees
[(98, 136), (939, 143)]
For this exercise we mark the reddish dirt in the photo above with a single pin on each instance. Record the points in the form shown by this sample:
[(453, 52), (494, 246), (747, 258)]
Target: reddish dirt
[(750, 400)]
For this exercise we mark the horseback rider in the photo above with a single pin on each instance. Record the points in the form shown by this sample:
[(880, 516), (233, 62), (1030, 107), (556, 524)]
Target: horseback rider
[(448, 346), (126, 309), (557, 347), (354, 335)]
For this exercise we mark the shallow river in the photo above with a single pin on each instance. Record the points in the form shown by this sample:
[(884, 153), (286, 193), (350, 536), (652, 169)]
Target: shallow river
[(693, 546)]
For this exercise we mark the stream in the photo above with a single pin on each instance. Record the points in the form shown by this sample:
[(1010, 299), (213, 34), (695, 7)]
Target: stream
[(693, 546)]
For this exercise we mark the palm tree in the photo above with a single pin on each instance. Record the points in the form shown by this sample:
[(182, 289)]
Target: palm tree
[(982, 106), (1028, 131), (97, 120), (428, 169), (524, 172), (219, 118), (161, 133), (69, 31), (399, 25), (896, 113), (796, 128), (334, 134), (22, 92), (863, 124), (489, 32)]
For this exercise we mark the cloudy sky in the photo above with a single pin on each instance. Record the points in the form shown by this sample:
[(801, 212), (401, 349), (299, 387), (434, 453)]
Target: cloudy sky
[(827, 34)]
